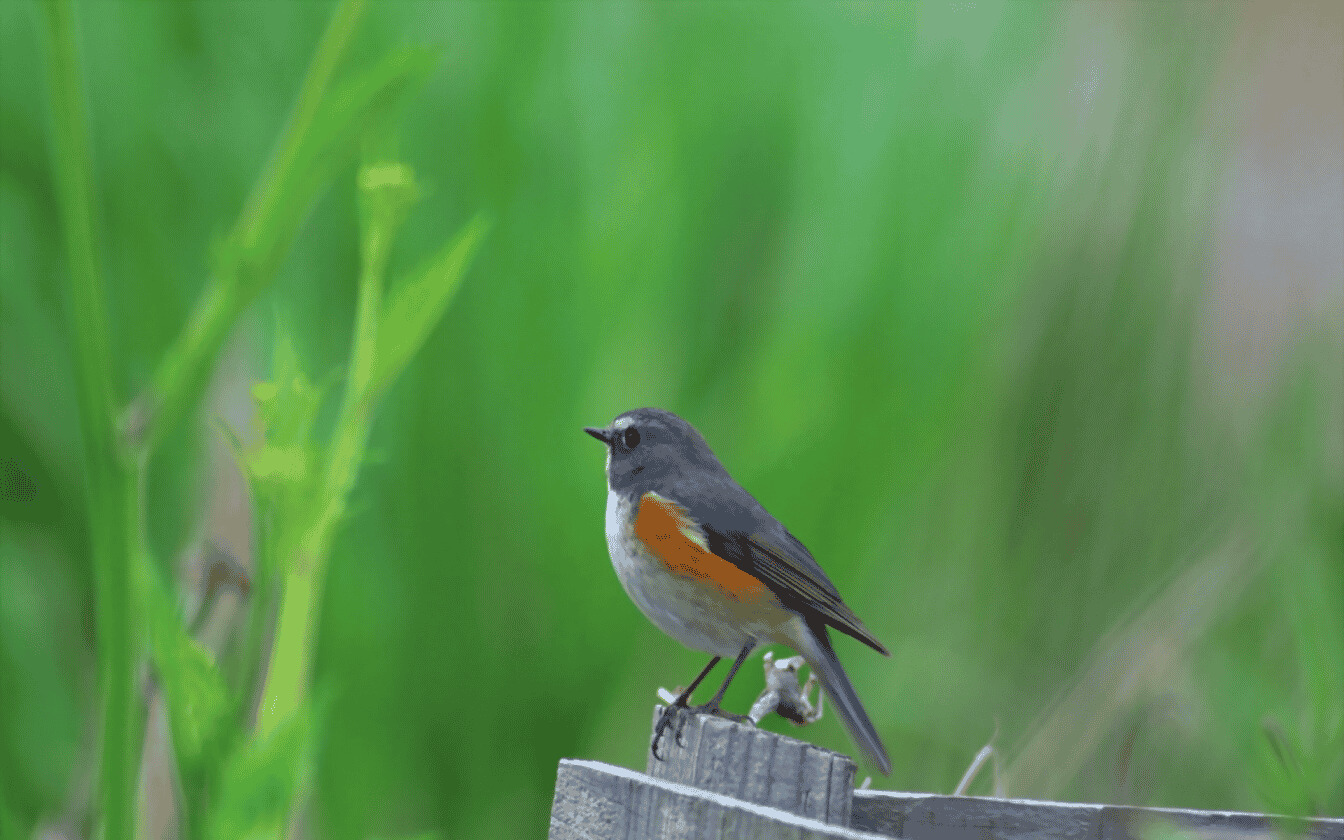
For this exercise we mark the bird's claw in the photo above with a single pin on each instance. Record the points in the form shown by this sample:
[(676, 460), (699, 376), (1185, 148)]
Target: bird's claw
[(683, 713), (718, 712), (676, 709)]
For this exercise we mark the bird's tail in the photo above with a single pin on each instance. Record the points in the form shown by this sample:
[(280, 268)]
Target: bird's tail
[(815, 646)]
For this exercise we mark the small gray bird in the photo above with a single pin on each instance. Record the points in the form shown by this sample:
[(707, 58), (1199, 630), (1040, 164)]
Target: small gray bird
[(714, 570)]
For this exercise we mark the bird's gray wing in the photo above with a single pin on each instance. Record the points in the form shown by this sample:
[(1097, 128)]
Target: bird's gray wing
[(738, 529)]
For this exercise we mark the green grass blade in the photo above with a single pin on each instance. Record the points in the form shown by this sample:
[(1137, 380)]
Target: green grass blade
[(310, 154), (262, 780), (109, 485), (387, 190), (198, 701)]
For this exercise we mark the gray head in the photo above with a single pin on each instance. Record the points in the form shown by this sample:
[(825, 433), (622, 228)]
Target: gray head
[(647, 446)]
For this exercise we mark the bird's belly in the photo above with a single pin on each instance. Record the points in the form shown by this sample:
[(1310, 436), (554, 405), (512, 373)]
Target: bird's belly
[(690, 609)]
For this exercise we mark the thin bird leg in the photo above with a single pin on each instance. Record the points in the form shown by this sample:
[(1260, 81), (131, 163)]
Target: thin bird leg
[(712, 707), (665, 719)]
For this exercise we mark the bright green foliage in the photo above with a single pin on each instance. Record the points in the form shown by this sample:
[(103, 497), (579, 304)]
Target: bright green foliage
[(299, 501), (370, 97), (260, 782), (417, 303), (305, 483), (939, 283), (199, 703), (323, 136), (282, 468)]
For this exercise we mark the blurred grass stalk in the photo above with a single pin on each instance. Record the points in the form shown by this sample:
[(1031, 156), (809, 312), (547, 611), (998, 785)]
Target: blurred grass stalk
[(316, 141), (385, 338), (110, 475), (262, 235), (386, 190), (1133, 667)]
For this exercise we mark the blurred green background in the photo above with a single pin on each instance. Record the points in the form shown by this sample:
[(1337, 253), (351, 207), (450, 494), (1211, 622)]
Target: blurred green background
[(1026, 318)]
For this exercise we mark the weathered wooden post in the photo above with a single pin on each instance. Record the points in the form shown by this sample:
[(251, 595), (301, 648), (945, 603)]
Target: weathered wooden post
[(731, 780), (724, 780), (760, 767)]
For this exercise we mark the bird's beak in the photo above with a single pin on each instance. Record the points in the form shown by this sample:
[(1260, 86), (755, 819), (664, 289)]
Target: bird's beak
[(603, 435)]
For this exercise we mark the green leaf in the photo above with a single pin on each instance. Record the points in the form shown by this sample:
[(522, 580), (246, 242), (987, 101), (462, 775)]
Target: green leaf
[(262, 781), (415, 305), (323, 133), (199, 704)]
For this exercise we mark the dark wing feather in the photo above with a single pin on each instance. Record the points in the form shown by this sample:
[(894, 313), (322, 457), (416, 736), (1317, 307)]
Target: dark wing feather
[(785, 565), (739, 529)]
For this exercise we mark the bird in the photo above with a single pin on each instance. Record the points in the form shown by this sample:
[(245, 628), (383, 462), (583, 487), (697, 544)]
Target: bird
[(709, 566)]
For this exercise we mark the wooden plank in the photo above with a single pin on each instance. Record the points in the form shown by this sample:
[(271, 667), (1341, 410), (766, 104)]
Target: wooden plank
[(920, 816), (733, 780), (596, 801), (753, 765)]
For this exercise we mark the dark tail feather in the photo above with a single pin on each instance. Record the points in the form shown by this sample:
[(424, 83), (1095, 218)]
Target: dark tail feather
[(816, 649)]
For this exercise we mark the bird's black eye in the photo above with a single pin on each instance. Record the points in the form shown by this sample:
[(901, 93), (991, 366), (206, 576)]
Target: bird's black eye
[(631, 438)]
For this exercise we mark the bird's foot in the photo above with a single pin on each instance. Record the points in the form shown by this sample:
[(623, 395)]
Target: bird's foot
[(717, 711), (676, 714), (674, 711)]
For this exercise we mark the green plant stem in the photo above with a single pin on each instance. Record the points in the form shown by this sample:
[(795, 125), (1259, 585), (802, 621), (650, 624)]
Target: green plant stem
[(110, 487), (282, 691), (251, 253), (285, 686), (266, 197), (183, 371)]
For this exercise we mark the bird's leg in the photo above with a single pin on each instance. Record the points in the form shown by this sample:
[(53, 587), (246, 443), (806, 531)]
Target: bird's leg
[(677, 706), (712, 707)]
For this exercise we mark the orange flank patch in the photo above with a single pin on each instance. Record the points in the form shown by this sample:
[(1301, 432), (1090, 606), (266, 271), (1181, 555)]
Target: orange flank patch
[(672, 537)]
